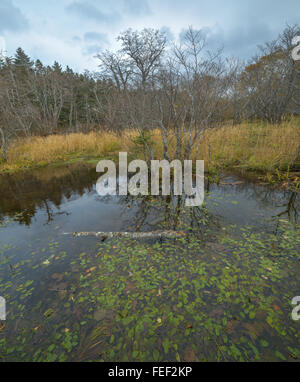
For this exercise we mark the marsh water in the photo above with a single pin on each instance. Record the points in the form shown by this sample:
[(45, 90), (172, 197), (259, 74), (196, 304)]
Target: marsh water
[(221, 292)]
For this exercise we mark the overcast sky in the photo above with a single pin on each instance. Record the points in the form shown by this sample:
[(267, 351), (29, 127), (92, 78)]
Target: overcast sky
[(73, 31)]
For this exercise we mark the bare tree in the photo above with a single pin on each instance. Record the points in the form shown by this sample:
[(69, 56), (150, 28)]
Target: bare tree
[(194, 87), (270, 80), (48, 93), (117, 67), (132, 71), (145, 50)]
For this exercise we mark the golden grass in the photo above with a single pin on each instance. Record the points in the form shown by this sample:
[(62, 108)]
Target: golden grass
[(252, 146), (56, 148), (255, 146)]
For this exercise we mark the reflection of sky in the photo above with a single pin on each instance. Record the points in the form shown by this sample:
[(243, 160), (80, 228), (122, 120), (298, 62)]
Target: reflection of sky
[(110, 186), (246, 203)]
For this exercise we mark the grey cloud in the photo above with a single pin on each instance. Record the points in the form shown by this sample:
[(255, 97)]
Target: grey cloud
[(11, 18), (96, 41), (241, 41), (95, 36), (137, 7), (92, 49), (239, 26), (90, 11)]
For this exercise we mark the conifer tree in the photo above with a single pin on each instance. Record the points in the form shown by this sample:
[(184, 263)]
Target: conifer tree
[(22, 59)]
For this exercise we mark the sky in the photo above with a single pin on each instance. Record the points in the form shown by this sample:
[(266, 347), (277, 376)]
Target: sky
[(72, 32)]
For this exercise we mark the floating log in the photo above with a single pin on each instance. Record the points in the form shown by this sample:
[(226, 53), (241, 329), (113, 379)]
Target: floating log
[(232, 183), (131, 235)]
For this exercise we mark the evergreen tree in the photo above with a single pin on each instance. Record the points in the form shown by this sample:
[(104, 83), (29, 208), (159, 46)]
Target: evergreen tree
[(22, 59), (39, 65), (69, 70), (57, 67)]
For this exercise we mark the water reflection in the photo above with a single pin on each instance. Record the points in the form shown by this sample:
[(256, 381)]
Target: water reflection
[(22, 195), (83, 299), (62, 194)]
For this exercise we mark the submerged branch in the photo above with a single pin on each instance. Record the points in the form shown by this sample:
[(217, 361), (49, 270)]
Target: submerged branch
[(131, 235)]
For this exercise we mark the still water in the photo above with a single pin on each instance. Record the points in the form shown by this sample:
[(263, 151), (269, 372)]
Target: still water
[(222, 292)]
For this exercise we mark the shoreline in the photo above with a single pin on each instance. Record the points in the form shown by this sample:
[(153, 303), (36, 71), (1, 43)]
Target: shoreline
[(289, 180), (262, 150)]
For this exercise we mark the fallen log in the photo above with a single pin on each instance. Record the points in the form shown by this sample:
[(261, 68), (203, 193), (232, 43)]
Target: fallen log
[(131, 235), (232, 183)]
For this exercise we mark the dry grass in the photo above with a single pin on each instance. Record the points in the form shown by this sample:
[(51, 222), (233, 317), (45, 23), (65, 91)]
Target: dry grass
[(255, 146), (56, 148)]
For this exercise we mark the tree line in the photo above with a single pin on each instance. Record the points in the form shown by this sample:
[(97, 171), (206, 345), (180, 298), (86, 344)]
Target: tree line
[(181, 89)]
